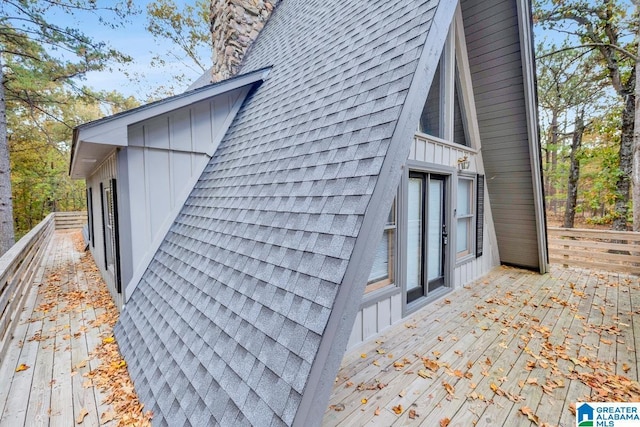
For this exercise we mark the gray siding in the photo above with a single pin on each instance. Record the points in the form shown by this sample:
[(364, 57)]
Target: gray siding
[(103, 173), (493, 43), (165, 156)]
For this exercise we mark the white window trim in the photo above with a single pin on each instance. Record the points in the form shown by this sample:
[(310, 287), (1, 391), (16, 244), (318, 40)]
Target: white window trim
[(472, 229)]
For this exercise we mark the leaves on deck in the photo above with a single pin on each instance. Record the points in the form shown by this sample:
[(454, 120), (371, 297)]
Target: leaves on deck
[(559, 333), (83, 413), (64, 298), (22, 367)]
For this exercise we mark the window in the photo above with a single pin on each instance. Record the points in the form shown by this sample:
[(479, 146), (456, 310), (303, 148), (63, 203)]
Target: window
[(90, 216), (443, 114), (382, 272), (464, 217), (110, 229), (469, 216)]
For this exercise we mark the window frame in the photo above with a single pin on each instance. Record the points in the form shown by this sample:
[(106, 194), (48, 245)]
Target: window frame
[(391, 232), (471, 218)]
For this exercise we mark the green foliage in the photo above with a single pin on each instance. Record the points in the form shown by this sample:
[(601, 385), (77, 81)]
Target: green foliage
[(41, 66), (597, 41)]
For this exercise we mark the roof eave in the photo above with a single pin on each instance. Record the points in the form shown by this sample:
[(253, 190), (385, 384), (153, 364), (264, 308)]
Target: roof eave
[(112, 130)]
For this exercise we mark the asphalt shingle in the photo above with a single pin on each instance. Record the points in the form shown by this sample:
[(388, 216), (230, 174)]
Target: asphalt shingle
[(241, 290)]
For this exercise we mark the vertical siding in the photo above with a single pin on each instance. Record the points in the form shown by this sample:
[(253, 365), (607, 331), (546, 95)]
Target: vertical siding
[(106, 171), (166, 154), (493, 44)]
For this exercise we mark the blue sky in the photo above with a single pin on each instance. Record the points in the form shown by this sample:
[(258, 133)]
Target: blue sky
[(133, 40)]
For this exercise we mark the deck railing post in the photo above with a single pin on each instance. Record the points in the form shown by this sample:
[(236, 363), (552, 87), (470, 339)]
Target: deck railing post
[(17, 268)]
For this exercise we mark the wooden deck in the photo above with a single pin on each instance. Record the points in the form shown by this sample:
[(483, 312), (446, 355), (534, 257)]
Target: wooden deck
[(512, 343), (45, 376)]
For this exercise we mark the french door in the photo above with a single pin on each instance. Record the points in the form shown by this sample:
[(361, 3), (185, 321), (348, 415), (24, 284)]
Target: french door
[(427, 234)]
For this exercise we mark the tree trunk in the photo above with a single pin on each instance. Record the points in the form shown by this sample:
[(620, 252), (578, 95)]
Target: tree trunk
[(636, 143), (7, 238), (554, 160), (574, 172), (623, 185)]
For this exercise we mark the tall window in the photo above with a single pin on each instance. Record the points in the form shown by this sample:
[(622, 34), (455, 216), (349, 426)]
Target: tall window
[(464, 217), (443, 114), (382, 272)]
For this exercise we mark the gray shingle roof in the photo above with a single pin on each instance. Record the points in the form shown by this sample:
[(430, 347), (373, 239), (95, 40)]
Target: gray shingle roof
[(232, 321)]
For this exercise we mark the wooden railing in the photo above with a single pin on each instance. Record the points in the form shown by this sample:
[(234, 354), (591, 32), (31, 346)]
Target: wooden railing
[(17, 268), (70, 220), (597, 249)]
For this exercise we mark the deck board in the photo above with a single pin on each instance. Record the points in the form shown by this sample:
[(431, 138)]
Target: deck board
[(498, 342), (55, 344)]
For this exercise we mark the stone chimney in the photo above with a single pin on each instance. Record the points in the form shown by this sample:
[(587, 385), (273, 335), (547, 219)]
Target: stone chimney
[(235, 24)]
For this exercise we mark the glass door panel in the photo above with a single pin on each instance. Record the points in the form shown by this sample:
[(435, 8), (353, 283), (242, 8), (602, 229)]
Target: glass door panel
[(426, 234), (434, 246), (414, 234)]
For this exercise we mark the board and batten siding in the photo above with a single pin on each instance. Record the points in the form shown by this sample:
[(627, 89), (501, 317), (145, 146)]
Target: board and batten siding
[(103, 174), (495, 60), (164, 158), (378, 314)]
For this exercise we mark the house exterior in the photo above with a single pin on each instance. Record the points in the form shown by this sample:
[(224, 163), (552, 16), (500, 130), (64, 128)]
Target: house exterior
[(373, 157), (140, 166)]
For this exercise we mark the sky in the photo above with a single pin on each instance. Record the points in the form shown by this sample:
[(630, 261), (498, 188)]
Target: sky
[(132, 39)]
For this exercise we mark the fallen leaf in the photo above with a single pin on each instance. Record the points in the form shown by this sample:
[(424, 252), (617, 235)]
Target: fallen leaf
[(107, 416), (363, 355), (626, 367), (364, 401), (413, 414), (338, 408), (444, 422), (530, 415), (450, 389), (402, 393), (377, 411), (398, 409), (430, 364), (80, 418), (22, 367), (424, 374), (108, 340)]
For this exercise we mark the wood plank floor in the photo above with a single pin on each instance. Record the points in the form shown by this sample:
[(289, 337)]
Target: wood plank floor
[(58, 329), (514, 341)]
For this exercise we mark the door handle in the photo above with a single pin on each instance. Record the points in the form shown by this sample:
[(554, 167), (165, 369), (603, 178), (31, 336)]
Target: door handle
[(445, 235)]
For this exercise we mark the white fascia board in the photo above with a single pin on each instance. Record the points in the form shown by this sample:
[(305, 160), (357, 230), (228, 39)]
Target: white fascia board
[(528, 72), (112, 130)]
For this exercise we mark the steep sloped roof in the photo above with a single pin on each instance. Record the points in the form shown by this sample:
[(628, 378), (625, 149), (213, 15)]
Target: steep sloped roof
[(244, 312)]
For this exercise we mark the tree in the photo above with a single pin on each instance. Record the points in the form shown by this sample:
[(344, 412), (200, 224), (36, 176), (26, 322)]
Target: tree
[(568, 88), (36, 55), (605, 28), (188, 29)]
